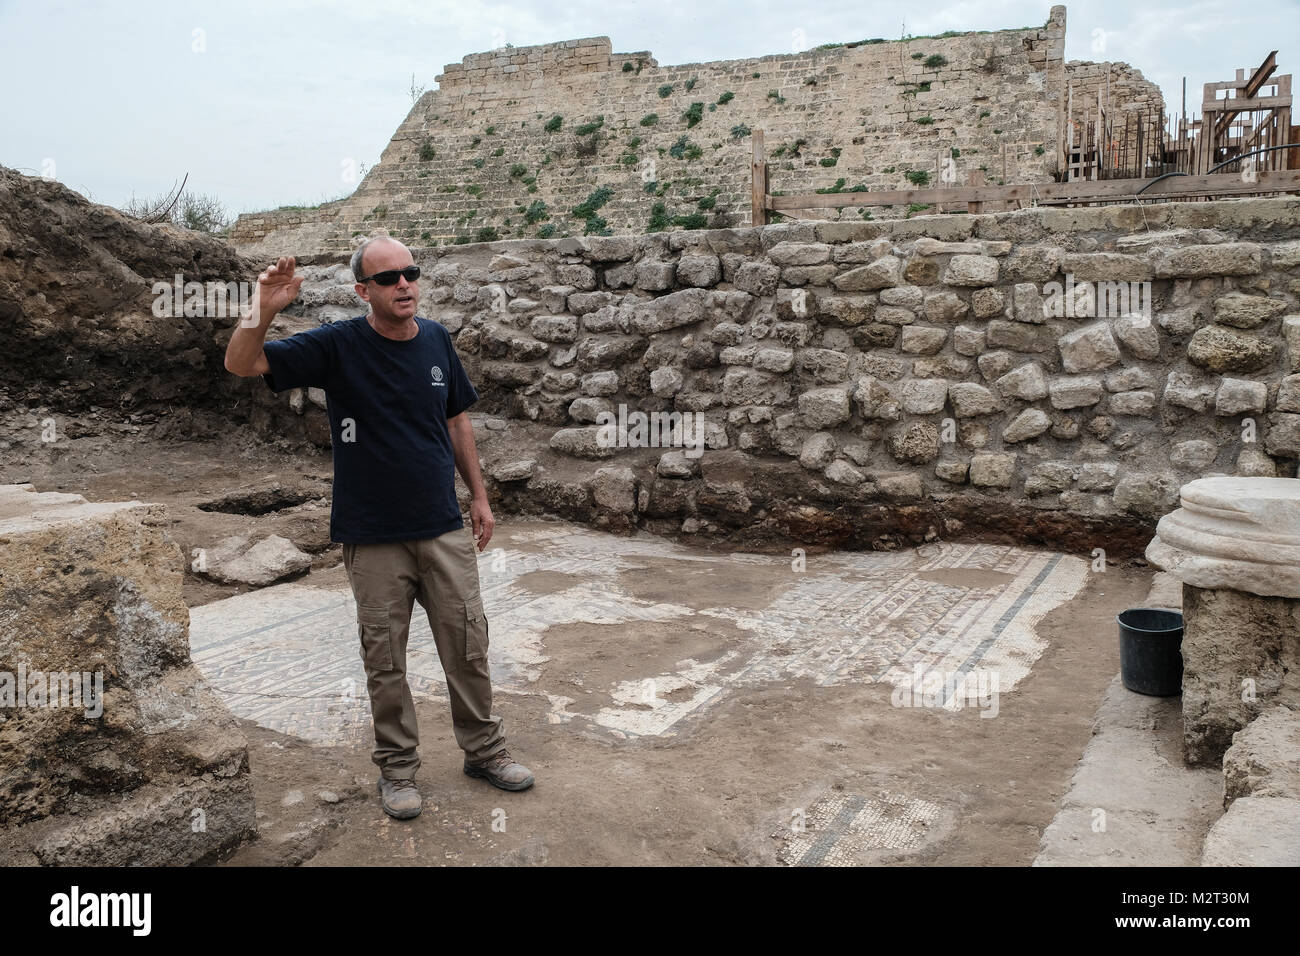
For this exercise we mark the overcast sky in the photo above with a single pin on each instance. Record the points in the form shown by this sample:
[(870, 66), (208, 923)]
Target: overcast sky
[(264, 102)]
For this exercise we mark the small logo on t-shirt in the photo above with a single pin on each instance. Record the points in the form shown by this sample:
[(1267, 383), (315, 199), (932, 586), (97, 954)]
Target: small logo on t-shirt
[(437, 376)]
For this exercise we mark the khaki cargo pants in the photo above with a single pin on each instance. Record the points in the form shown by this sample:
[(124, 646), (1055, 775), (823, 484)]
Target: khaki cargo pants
[(442, 574)]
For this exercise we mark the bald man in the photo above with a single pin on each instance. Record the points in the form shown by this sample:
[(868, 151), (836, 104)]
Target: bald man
[(396, 395)]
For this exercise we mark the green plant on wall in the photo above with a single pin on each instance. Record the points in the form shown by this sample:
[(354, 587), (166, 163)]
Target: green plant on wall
[(659, 220), (924, 121), (554, 123), (665, 91), (918, 177), (935, 61), (546, 231), (427, 152), (775, 95), (684, 149), (535, 212), (740, 131), (650, 119), (694, 114), (588, 128), (726, 98)]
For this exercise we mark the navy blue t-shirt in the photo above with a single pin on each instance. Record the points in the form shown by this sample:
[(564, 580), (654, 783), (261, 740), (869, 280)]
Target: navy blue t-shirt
[(388, 404)]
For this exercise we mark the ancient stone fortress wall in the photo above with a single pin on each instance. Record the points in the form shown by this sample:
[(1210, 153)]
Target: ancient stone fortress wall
[(573, 138), (928, 375)]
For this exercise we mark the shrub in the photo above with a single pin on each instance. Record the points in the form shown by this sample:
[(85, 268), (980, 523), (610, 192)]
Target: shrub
[(477, 163), (659, 220), (491, 131), (517, 170), (934, 61), (696, 220), (775, 95), (553, 124), (486, 234), (427, 151), (535, 212), (690, 84), (588, 128), (726, 98), (650, 119), (627, 66), (924, 121), (918, 177), (828, 160), (587, 208), (740, 132), (665, 90), (694, 114)]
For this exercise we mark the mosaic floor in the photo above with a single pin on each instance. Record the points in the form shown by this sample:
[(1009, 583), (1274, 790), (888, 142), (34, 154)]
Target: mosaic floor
[(287, 656)]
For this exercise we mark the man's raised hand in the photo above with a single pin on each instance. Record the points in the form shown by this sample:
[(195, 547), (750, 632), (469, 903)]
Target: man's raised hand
[(277, 287)]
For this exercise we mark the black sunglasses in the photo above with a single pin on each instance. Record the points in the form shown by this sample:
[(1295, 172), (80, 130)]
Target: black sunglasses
[(389, 277)]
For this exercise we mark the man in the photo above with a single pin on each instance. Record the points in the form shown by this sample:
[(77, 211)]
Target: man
[(396, 395)]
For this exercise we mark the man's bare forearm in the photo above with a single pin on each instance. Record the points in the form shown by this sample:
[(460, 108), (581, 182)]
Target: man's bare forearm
[(461, 431), (244, 351)]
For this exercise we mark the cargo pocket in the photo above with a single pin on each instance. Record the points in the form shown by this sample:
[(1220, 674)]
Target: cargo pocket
[(376, 637), (476, 630)]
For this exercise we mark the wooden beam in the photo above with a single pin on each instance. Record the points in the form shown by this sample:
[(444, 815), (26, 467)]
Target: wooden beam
[(1234, 106), (1114, 190), (1261, 74), (758, 198)]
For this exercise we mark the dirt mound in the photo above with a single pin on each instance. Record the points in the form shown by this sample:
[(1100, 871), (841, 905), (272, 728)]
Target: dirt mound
[(77, 305)]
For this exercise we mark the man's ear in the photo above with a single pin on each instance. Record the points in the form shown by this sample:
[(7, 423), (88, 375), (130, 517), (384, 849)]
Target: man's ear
[(362, 291)]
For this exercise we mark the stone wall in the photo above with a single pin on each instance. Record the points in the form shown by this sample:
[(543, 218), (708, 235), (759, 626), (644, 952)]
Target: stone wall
[(478, 156), (876, 367), (264, 229), (1127, 95)]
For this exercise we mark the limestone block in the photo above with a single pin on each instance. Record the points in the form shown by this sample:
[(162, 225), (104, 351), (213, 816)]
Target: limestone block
[(1074, 391), (914, 444), (1027, 383), (1224, 350), (104, 766), (1237, 395), (965, 270), (992, 470), (614, 488), (1030, 423), (969, 400), (1138, 334), (818, 451), (884, 272), (1139, 403), (1193, 455), (1256, 831), (1242, 311), (1264, 759), (825, 407), (923, 396), (1088, 349)]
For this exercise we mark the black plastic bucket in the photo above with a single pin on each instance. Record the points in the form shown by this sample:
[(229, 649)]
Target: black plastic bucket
[(1150, 651)]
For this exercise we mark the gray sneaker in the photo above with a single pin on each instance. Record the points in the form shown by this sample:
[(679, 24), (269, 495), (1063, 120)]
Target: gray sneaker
[(401, 798), (501, 771)]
